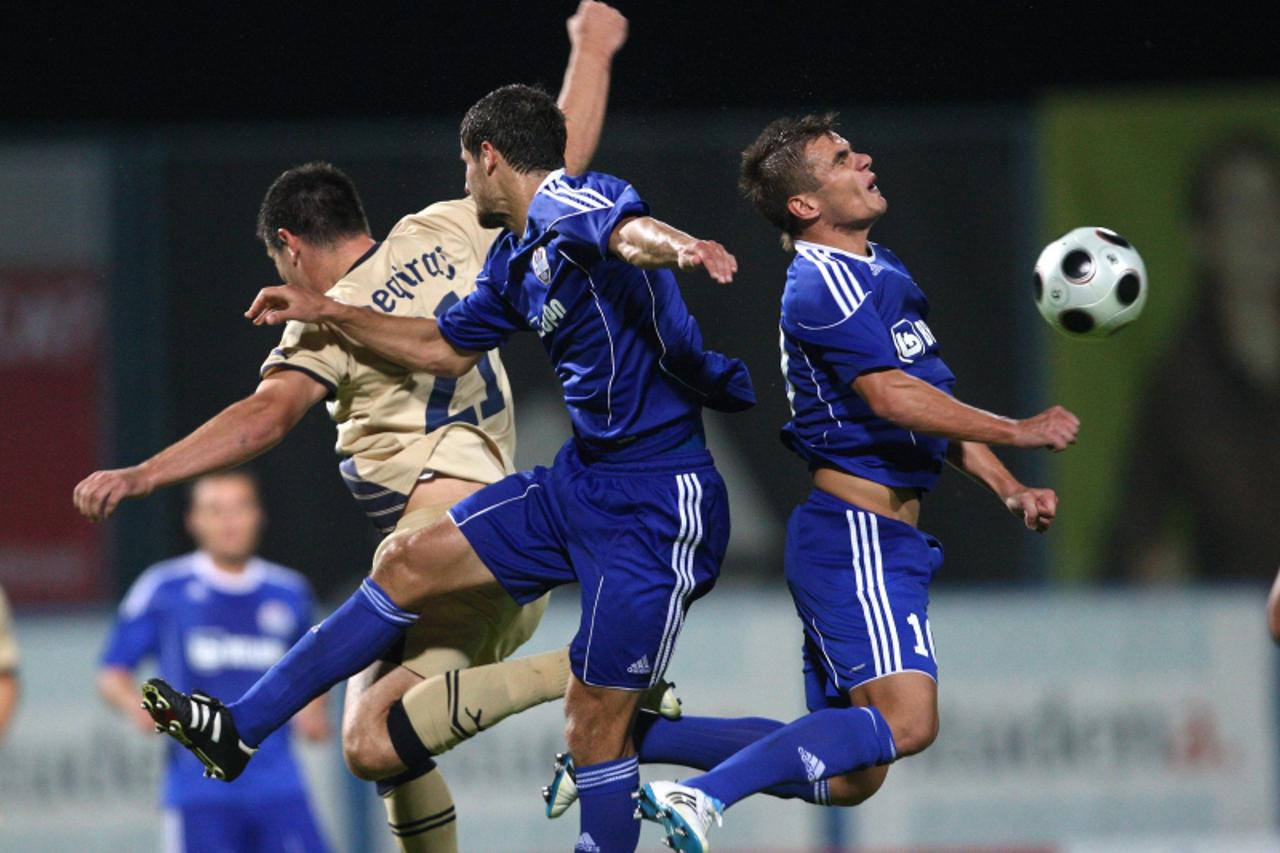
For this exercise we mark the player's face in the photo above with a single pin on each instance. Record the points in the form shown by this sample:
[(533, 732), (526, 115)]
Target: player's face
[(225, 518), (849, 196), (479, 186)]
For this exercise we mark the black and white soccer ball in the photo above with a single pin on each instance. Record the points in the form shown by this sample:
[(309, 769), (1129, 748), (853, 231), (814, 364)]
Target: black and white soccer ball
[(1090, 283)]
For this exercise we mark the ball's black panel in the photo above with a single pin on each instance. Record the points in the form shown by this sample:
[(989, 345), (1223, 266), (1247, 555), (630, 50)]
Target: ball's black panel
[(1076, 321), (1077, 265), (1038, 285), (1112, 237), (1128, 288)]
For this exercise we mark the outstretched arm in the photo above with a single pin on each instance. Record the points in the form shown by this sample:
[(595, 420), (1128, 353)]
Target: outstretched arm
[(235, 435), (650, 243), (412, 342), (1273, 610), (596, 32), (916, 405), (119, 689), (1036, 507)]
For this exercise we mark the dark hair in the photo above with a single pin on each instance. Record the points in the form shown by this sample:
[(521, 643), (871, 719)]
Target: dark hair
[(522, 122), (1246, 144), (774, 167), (246, 474), (316, 201)]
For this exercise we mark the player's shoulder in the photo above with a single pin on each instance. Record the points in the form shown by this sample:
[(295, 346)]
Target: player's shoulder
[(455, 216), (587, 191), (823, 288), (156, 582)]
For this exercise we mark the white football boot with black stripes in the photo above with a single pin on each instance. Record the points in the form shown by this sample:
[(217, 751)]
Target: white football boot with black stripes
[(200, 723), (686, 814), (563, 790)]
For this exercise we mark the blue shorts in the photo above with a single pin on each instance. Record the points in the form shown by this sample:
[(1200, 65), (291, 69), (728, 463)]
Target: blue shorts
[(644, 539), (272, 825), (860, 583)]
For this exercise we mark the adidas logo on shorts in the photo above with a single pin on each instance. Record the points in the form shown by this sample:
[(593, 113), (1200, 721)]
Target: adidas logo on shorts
[(640, 667), (586, 844), (814, 767)]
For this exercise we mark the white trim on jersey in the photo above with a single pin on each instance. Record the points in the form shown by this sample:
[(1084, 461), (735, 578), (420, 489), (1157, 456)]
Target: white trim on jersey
[(584, 204), (823, 247), (689, 504), (817, 387), (613, 362)]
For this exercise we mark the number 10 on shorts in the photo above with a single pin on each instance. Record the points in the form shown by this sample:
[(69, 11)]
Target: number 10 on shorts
[(921, 636)]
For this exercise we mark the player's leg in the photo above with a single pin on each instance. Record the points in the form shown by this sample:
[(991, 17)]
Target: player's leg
[(638, 580), (420, 811), (860, 585)]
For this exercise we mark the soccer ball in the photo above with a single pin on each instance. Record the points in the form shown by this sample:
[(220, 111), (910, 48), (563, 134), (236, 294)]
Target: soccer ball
[(1090, 283)]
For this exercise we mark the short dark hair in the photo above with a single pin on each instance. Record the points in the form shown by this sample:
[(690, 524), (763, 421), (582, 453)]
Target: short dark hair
[(316, 201), (774, 167), (522, 122)]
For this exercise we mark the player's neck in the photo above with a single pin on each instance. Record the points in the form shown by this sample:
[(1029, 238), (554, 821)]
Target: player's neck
[(526, 187), (338, 261), (230, 565), (855, 241)]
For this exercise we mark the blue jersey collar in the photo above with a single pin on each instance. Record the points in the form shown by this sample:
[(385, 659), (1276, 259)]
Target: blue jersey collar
[(823, 247)]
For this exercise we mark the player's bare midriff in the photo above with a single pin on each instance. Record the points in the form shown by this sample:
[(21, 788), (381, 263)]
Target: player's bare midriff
[(440, 490), (894, 502)]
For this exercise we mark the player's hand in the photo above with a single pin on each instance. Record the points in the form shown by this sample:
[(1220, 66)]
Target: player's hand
[(101, 492), (1038, 507), (1053, 429), (711, 256), (280, 304), (597, 27)]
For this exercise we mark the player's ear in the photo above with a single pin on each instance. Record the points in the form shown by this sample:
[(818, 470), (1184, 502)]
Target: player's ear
[(489, 157), (291, 243), (802, 207)]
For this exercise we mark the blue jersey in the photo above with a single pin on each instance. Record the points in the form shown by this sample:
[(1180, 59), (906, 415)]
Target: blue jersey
[(627, 352), (844, 315), (213, 631)]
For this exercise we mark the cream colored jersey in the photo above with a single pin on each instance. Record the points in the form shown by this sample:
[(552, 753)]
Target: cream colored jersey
[(397, 426), (8, 643)]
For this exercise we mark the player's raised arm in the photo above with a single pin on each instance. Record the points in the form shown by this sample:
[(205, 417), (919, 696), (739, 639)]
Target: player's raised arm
[(596, 32), (653, 244), (914, 404), (412, 342)]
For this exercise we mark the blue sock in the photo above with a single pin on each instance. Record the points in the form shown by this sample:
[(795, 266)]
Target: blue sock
[(608, 822), (704, 742), (823, 744), (351, 638)]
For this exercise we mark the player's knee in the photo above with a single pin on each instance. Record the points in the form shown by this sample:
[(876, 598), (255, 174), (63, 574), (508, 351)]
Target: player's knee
[(368, 752), (914, 733), (854, 789), (393, 571)]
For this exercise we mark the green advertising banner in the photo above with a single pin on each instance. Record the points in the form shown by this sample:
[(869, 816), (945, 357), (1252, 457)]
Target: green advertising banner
[(1174, 475)]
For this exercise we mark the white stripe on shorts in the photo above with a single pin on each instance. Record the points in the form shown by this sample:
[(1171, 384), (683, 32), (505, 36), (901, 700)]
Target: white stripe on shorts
[(689, 505), (884, 593), (862, 592)]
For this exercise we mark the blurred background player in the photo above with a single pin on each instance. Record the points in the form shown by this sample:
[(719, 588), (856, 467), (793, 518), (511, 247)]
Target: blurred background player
[(216, 619), (8, 667), (1200, 498), (874, 418), (412, 444)]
